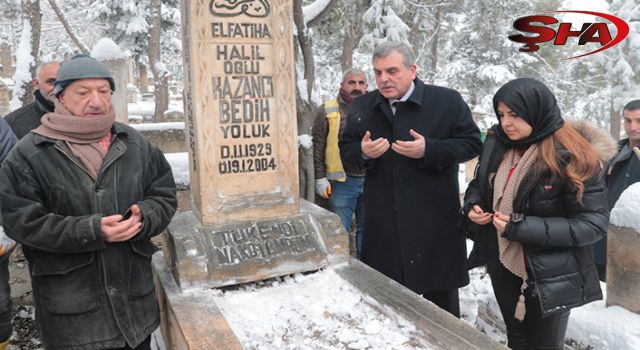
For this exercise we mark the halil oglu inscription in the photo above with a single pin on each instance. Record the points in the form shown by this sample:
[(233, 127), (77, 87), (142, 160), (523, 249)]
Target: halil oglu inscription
[(240, 80)]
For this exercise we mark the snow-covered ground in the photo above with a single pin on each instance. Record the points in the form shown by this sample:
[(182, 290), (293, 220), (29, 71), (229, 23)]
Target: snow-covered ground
[(595, 325)]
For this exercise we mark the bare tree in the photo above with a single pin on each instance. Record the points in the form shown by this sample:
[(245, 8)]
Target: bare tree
[(306, 48), (67, 27), (33, 18), (614, 121), (353, 31), (160, 75), (304, 103)]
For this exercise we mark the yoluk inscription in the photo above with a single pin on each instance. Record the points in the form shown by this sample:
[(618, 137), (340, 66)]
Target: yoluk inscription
[(262, 242)]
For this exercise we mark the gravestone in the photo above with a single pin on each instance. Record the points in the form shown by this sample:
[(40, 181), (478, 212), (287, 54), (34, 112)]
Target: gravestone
[(623, 245), (241, 129), (107, 51), (248, 223), (5, 99), (118, 68), (623, 268), (6, 61), (240, 109), (132, 93)]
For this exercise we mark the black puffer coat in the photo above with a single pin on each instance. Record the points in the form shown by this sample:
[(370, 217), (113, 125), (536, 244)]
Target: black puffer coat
[(89, 294), (556, 231)]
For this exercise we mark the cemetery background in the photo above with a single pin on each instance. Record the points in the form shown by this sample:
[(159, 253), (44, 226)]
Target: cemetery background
[(446, 38)]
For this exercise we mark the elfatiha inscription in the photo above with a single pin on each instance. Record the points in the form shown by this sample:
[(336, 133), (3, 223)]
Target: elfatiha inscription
[(240, 30), (263, 242), (232, 8)]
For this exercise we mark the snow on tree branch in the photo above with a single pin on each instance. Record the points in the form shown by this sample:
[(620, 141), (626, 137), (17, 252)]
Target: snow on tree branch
[(24, 61), (314, 10), (106, 49)]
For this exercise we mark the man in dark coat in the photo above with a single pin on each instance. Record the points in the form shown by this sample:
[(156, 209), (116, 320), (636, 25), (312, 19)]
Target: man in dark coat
[(27, 118), (411, 138), (84, 194), (623, 172)]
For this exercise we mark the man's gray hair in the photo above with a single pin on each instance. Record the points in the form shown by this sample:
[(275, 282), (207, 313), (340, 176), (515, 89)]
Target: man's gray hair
[(41, 66), (353, 71), (384, 49)]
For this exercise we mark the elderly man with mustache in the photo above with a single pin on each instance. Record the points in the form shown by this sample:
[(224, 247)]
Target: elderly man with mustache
[(410, 137), (84, 194)]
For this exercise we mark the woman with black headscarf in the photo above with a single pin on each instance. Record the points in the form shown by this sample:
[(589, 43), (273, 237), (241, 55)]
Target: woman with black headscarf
[(534, 209)]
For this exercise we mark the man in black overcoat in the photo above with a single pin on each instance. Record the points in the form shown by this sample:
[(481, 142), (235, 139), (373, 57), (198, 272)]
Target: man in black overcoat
[(411, 138)]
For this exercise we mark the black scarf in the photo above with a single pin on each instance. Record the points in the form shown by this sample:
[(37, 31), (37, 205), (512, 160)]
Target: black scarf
[(535, 103), (46, 105)]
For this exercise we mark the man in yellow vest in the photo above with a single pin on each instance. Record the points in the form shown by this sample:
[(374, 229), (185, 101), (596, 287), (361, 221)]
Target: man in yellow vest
[(339, 182)]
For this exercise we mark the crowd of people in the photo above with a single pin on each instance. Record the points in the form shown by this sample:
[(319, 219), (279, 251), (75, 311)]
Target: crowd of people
[(537, 208), (83, 195)]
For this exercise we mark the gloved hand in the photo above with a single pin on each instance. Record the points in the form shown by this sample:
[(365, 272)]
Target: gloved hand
[(4, 345), (323, 187), (6, 244)]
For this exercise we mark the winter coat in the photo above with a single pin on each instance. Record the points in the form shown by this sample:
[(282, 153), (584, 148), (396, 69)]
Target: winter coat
[(89, 294), (623, 172), (320, 131), (27, 118), (7, 139), (413, 205), (556, 231)]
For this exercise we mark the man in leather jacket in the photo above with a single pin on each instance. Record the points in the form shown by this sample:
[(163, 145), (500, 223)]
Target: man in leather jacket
[(84, 194)]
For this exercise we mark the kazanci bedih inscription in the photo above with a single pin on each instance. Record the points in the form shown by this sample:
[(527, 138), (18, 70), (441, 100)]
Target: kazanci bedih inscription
[(240, 109)]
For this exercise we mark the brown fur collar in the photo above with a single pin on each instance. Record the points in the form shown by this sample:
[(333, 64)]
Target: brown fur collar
[(604, 145)]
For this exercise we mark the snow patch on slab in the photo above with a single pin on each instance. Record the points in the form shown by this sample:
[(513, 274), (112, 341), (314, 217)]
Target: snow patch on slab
[(626, 212), (314, 311)]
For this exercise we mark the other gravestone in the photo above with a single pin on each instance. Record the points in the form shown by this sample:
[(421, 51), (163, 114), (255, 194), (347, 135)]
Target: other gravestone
[(5, 99), (108, 52), (623, 245), (6, 61)]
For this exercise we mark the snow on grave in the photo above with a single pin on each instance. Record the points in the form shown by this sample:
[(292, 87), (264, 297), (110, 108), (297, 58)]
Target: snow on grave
[(626, 212), (313, 311)]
